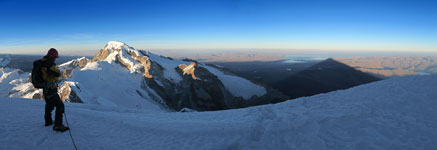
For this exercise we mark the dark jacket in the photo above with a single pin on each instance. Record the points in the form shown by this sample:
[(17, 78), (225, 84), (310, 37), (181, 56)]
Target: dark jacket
[(49, 71)]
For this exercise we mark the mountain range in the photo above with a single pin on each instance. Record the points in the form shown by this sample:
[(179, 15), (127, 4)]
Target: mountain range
[(120, 75)]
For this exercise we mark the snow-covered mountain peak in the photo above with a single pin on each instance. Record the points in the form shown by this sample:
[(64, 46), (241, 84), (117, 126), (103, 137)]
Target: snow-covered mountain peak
[(121, 48), (114, 45), (122, 53)]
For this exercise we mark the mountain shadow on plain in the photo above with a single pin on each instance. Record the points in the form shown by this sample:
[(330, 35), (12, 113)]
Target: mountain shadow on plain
[(326, 76)]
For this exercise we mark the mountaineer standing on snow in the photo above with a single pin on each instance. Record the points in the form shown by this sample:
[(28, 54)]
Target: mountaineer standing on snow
[(45, 75)]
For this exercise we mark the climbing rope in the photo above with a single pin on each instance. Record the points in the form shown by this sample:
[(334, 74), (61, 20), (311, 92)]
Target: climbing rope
[(66, 120)]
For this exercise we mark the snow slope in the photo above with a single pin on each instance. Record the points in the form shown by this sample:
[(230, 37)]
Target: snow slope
[(397, 113), (238, 86), (11, 80), (112, 85)]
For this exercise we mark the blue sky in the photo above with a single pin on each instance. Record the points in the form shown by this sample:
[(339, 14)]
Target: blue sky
[(368, 25)]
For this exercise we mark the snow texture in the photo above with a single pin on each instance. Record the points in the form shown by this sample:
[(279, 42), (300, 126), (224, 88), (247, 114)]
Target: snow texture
[(390, 114), (110, 84), (238, 86), (16, 80)]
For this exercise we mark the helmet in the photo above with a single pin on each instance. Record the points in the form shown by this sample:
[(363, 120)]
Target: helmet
[(52, 53)]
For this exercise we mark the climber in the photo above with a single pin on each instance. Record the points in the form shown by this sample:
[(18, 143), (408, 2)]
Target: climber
[(46, 70)]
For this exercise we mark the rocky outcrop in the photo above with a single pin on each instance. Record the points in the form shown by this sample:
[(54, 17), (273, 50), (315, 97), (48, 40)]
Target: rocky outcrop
[(81, 62), (122, 62), (145, 61), (67, 68), (102, 54), (189, 69), (66, 73), (194, 94), (67, 94)]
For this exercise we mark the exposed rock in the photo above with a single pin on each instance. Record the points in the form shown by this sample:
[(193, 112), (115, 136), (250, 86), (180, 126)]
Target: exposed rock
[(144, 60), (74, 98), (67, 68), (67, 94), (64, 90), (67, 73), (82, 62), (147, 65), (101, 55), (122, 62), (189, 69), (199, 95)]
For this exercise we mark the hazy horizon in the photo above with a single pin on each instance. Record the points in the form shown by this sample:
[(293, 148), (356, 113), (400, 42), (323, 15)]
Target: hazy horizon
[(187, 53)]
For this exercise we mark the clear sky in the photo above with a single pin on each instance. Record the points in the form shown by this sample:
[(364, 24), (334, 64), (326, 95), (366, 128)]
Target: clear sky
[(349, 25)]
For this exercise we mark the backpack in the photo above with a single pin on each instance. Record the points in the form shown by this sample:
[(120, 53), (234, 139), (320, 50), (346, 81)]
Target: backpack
[(36, 75)]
